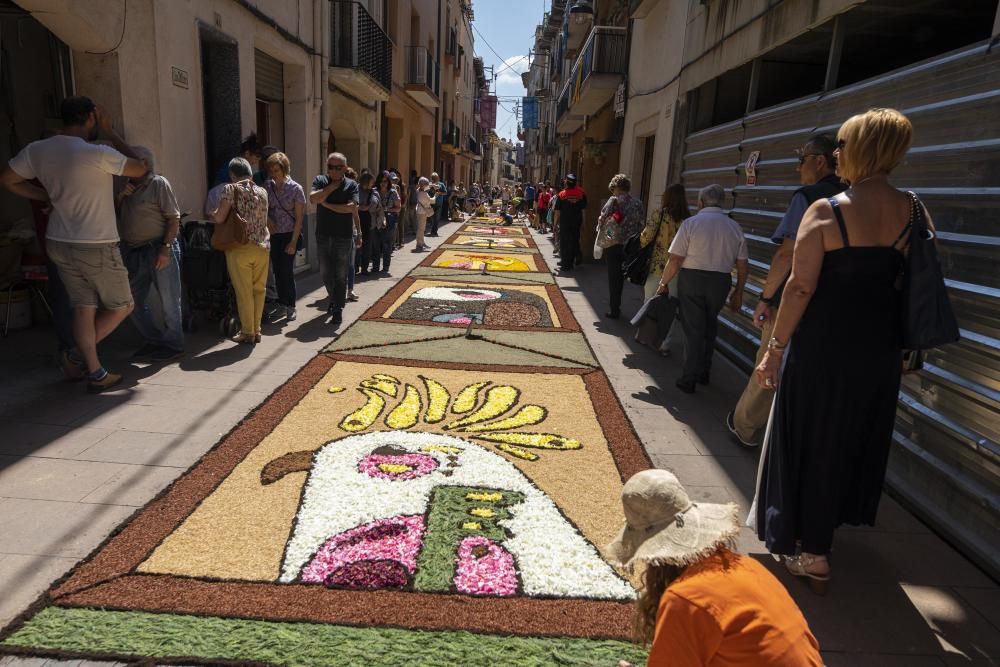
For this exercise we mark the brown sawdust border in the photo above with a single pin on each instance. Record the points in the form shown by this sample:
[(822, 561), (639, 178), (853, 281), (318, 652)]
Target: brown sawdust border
[(556, 298), (106, 578)]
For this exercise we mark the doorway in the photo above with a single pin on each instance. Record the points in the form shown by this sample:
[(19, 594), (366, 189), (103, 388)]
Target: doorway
[(220, 82)]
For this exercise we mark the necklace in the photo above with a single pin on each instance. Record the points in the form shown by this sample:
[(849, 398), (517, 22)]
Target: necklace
[(865, 180)]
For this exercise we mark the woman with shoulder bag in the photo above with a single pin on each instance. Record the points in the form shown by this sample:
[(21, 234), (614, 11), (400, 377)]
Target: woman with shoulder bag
[(835, 353), (661, 227), (247, 261), (385, 231), (620, 219), (286, 205)]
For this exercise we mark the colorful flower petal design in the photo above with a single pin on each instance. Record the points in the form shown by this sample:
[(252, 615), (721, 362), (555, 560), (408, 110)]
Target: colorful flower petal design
[(400, 467), (485, 568), (380, 554)]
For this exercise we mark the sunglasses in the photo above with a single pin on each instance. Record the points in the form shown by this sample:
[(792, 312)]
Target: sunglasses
[(841, 143), (336, 167), (802, 158)]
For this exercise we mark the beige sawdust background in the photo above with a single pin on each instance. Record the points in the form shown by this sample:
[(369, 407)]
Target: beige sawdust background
[(240, 530), (538, 291)]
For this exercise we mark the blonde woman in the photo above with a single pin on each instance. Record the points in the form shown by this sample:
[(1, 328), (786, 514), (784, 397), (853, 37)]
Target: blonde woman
[(247, 263), (831, 426), (286, 206), (701, 603)]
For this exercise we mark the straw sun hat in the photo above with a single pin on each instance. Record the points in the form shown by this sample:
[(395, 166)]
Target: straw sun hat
[(663, 526)]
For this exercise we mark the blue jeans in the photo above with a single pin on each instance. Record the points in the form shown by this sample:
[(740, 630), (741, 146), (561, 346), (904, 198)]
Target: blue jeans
[(142, 276), (334, 260)]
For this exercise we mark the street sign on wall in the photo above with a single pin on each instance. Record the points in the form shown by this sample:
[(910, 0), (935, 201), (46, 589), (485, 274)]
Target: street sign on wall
[(620, 101)]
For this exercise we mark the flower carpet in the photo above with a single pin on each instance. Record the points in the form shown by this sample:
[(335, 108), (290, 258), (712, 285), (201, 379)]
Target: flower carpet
[(431, 489)]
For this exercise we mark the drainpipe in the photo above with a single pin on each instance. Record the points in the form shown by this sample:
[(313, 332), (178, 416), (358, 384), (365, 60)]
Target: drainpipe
[(321, 44), (437, 111)]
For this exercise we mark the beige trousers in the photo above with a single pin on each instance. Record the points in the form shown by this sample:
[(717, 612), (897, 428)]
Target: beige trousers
[(755, 404), (248, 272)]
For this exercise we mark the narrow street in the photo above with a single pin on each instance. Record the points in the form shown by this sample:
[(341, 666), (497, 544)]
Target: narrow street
[(114, 453)]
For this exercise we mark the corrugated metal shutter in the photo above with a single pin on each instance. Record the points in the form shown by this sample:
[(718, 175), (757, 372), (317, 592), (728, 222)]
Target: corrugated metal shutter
[(269, 77), (946, 458)]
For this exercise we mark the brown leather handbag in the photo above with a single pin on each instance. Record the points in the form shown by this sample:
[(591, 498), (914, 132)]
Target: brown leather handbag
[(233, 232)]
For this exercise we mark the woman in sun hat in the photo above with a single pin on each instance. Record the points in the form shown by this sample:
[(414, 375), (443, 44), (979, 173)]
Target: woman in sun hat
[(702, 603)]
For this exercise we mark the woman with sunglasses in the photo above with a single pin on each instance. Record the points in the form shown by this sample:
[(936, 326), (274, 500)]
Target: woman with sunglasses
[(834, 355)]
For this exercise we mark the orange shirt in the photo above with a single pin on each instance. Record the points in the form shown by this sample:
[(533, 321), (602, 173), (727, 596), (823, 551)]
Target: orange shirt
[(729, 611)]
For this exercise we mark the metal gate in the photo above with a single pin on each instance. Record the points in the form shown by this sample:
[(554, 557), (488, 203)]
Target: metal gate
[(945, 463)]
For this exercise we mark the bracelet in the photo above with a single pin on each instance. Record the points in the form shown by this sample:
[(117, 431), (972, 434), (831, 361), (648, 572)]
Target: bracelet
[(775, 345)]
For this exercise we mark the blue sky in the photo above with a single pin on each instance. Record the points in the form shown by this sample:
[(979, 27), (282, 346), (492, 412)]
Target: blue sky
[(509, 27)]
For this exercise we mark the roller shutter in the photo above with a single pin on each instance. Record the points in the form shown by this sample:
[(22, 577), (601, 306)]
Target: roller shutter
[(269, 77), (945, 461)]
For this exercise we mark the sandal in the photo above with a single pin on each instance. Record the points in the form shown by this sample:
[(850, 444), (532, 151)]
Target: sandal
[(256, 337), (243, 338), (804, 566)]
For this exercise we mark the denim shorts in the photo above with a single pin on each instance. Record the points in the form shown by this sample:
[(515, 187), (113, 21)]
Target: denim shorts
[(93, 273)]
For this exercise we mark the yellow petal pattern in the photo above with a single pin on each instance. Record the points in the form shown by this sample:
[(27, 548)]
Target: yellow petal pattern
[(498, 401), (538, 440), (366, 415), (444, 449), (406, 414), (518, 452), (467, 398), (484, 497), (386, 384), (437, 401), (529, 415)]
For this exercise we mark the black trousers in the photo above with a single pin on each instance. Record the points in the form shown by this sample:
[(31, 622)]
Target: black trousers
[(616, 277), (569, 243), (702, 295), (283, 266)]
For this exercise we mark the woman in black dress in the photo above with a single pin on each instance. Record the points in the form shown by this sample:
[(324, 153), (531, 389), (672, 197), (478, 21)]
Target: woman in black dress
[(835, 355)]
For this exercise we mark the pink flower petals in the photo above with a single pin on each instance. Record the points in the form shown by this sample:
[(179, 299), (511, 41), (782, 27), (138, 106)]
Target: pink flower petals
[(485, 568), (376, 555), (397, 466)]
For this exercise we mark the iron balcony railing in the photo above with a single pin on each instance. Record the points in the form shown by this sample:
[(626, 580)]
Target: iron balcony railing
[(473, 146), (358, 42), (604, 52), (422, 69)]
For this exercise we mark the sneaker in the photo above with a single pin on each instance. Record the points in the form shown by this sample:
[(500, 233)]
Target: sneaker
[(165, 354), (290, 315), (731, 425), (352, 297), (146, 351), (71, 369), (336, 318), (107, 382)]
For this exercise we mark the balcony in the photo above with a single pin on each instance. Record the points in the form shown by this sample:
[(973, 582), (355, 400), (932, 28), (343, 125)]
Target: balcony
[(594, 78), (450, 142), (423, 76), (360, 53), (566, 122), (475, 149)]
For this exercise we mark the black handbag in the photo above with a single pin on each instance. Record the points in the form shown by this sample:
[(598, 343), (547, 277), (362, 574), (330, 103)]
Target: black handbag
[(928, 319), (636, 258)]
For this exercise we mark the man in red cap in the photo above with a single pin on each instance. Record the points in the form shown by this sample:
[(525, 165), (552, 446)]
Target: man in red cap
[(569, 206)]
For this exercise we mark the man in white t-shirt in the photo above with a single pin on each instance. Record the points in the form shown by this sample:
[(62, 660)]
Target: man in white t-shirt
[(82, 236), (703, 252)]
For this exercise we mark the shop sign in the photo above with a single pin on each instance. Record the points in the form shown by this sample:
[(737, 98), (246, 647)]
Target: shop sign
[(620, 101), (751, 168), (179, 77)]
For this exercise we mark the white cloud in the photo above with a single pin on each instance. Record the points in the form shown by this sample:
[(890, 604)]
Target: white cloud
[(512, 68)]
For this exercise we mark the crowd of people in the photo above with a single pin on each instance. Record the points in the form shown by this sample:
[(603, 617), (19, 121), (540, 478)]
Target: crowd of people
[(820, 405)]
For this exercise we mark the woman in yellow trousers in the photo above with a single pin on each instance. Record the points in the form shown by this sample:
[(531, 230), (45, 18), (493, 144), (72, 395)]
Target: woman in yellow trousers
[(247, 263)]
